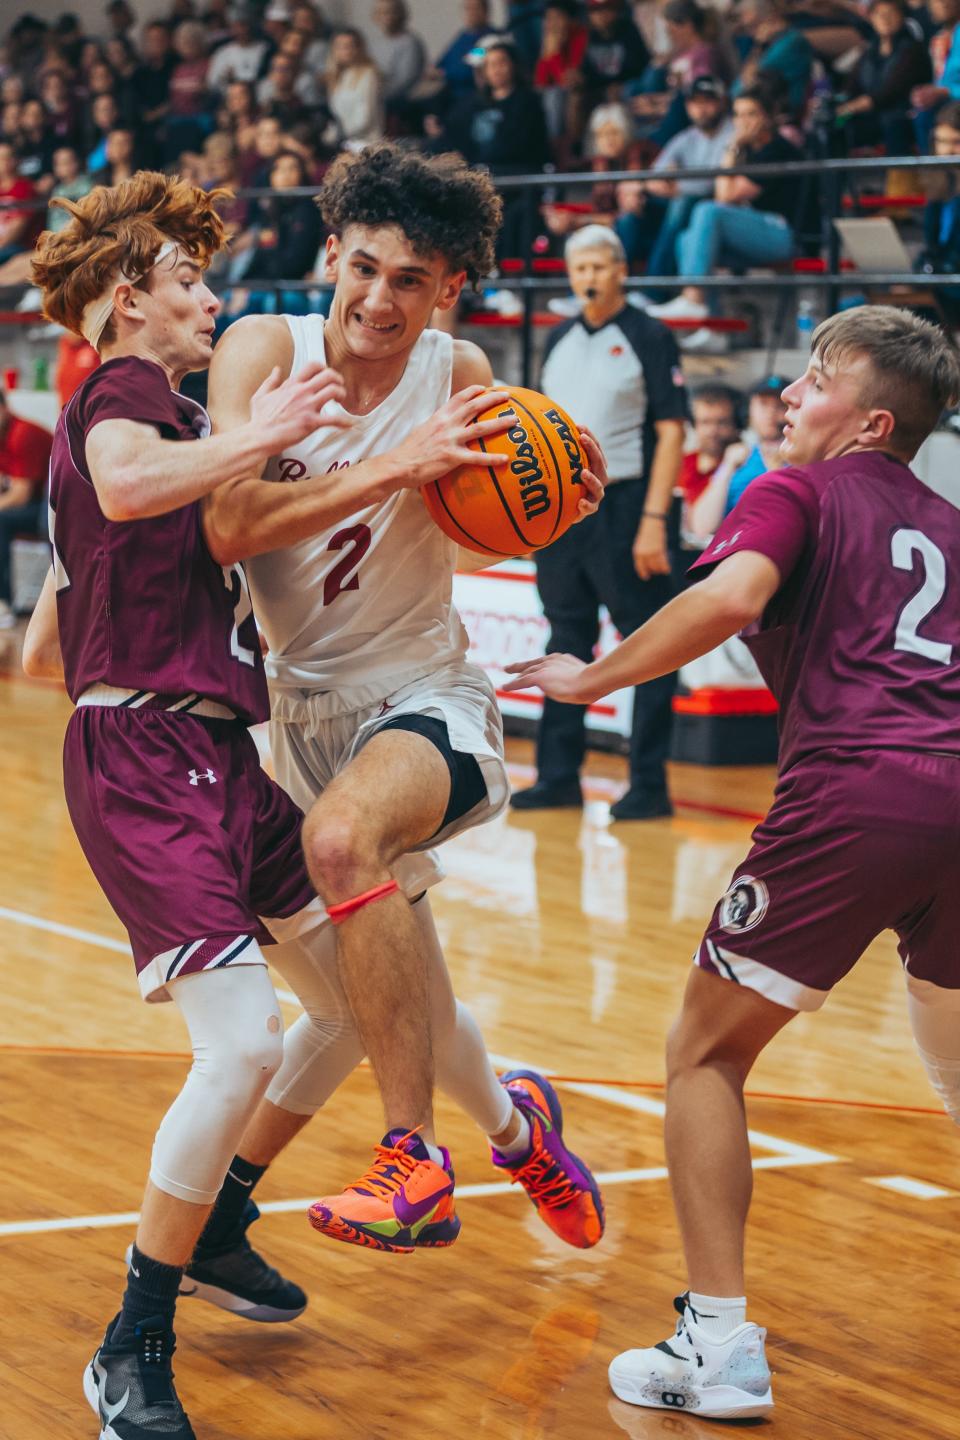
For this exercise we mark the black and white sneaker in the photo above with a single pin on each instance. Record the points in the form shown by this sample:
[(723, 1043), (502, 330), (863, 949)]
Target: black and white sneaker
[(236, 1278), (130, 1386)]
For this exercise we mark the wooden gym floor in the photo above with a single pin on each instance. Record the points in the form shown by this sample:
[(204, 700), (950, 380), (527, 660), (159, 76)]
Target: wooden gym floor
[(571, 941)]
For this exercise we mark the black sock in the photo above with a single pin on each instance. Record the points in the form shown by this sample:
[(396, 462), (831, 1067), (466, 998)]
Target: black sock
[(152, 1289), (235, 1191)]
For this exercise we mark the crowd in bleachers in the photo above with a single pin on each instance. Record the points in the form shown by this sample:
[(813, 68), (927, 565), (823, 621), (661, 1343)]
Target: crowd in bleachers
[(265, 94)]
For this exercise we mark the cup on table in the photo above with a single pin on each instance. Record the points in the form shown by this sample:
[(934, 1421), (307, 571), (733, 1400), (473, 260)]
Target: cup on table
[(11, 377)]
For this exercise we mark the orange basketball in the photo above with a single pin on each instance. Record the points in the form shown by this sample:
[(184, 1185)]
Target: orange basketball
[(512, 509)]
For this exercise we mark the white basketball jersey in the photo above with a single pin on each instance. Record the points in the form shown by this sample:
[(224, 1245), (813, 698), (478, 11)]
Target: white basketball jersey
[(367, 605)]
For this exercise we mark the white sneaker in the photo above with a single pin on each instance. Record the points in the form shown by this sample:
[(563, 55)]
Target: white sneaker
[(709, 342), (725, 1379), (7, 617), (680, 308), (565, 305)]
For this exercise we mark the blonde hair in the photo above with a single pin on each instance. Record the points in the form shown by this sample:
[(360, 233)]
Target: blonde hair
[(914, 369), (122, 228)]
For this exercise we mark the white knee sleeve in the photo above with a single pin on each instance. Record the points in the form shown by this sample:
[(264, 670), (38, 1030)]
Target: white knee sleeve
[(935, 1021), (322, 1047), (237, 1036)]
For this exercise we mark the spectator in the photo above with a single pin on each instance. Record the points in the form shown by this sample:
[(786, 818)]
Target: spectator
[(619, 371), (24, 461), (25, 47), (190, 119), (13, 91), (941, 215), (62, 112), (399, 55), (502, 124), (669, 202), (255, 165), (776, 46), (525, 29), (453, 68), (18, 228), (244, 55), (749, 222), (75, 361), (353, 92), (35, 145), (695, 50), (307, 85), (120, 19), (104, 117), (290, 232), (307, 22), (121, 56), (119, 157), (616, 52), (151, 81), (716, 424), (70, 183), (276, 23), (277, 92), (610, 145), (238, 115), (894, 64), (70, 39), (557, 75), (945, 60), (742, 462), (10, 122)]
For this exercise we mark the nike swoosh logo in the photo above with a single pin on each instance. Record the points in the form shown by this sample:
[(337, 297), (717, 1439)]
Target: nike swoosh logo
[(134, 1271), (110, 1412), (247, 1184)]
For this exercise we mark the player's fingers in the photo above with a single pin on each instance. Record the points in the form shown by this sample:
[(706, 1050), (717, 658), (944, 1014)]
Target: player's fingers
[(593, 487), (522, 667), (595, 456), (311, 370), (485, 400), (464, 455), (466, 395), (499, 425)]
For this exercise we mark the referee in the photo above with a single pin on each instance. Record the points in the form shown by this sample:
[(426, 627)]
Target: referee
[(618, 371)]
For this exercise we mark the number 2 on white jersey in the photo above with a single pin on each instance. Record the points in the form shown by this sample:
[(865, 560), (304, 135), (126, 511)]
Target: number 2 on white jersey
[(904, 544)]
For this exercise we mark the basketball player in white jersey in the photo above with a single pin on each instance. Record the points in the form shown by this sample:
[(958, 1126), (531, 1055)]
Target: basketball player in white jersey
[(380, 729)]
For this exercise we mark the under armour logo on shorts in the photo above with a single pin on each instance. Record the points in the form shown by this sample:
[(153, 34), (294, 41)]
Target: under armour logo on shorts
[(196, 776)]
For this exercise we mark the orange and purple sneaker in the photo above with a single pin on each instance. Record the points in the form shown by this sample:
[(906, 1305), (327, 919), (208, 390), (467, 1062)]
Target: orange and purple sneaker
[(403, 1203), (566, 1196)]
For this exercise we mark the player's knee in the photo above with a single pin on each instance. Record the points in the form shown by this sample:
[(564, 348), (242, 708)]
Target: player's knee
[(342, 857), (250, 1063)]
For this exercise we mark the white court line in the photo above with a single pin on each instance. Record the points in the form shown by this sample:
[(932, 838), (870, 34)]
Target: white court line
[(904, 1185), (785, 1153)]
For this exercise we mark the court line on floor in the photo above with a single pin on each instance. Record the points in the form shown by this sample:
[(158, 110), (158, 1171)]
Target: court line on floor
[(281, 1207), (640, 1104)]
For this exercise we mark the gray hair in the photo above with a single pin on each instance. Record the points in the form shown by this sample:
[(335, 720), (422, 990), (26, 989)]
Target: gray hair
[(595, 237)]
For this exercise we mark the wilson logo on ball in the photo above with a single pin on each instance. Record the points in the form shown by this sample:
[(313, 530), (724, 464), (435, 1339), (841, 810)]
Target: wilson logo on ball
[(521, 506)]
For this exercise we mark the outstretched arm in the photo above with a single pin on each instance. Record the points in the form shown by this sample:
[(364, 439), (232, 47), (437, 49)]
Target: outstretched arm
[(734, 595), (252, 516)]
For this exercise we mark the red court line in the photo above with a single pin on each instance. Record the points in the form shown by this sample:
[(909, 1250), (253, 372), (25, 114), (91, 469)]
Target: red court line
[(98, 1053)]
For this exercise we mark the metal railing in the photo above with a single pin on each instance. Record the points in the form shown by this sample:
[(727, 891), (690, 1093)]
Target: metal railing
[(827, 173)]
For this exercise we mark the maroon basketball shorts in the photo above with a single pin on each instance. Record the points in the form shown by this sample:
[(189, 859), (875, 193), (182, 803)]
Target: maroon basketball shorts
[(856, 842), (192, 842)]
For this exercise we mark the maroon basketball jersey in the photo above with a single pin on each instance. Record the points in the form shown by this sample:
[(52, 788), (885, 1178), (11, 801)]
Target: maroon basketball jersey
[(141, 604), (861, 643)]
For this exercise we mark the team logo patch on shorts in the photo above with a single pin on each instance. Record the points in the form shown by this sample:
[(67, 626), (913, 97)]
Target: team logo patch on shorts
[(744, 905)]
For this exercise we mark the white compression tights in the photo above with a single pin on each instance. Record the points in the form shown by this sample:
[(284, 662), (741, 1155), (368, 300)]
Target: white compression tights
[(322, 1047), (935, 1020), (236, 1032)]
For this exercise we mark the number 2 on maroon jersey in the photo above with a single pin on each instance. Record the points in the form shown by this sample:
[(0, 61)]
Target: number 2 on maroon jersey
[(235, 579), (904, 544), (358, 538)]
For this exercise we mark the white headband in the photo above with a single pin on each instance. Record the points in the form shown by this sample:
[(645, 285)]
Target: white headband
[(98, 312)]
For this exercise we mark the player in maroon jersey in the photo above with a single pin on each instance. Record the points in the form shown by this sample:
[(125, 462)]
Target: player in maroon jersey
[(190, 840), (843, 572)]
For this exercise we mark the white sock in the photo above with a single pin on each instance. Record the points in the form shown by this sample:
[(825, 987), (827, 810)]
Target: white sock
[(515, 1148), (715, 1316), (435, 1153)]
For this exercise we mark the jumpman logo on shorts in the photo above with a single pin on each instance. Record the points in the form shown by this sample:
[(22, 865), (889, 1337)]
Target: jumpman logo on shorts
[(195, 776)]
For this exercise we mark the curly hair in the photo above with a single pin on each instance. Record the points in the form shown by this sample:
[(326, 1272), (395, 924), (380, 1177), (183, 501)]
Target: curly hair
[(121, 228), (442, 206)]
